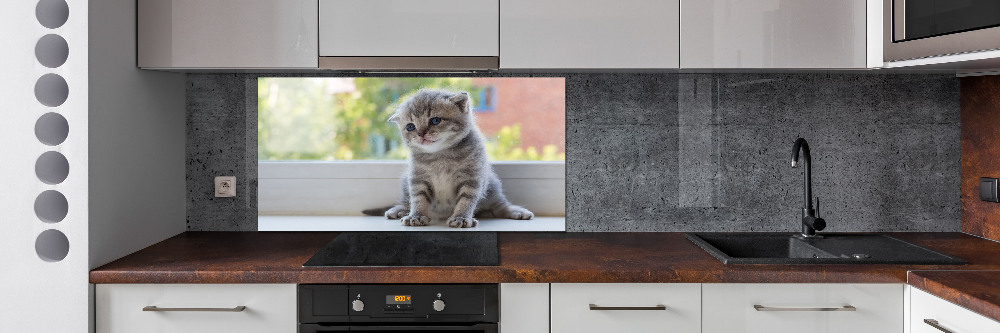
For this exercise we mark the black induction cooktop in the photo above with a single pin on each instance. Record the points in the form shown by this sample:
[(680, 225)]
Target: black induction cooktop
[(409, 248)]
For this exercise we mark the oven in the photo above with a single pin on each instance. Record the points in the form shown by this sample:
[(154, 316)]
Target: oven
[(927, 28), (466, 308)]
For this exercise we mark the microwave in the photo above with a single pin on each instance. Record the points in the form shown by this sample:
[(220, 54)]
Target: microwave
[(916, 29)]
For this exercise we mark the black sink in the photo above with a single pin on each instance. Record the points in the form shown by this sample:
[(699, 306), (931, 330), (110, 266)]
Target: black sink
[(787, 248)]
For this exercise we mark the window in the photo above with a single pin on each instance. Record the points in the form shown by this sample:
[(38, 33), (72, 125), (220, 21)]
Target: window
[(487, 100), (325, 146)]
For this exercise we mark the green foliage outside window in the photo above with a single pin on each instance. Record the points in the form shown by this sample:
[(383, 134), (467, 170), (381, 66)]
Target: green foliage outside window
[(506, 147), (326, 119)]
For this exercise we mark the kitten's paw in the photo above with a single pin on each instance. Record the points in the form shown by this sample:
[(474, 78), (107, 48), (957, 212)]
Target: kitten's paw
[(462, 222), (416, 220), (519, 213), (396, 212)]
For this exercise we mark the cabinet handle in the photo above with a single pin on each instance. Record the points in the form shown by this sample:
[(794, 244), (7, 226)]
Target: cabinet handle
[(615, 308), (233, 309), (759, 307), (935, 324)]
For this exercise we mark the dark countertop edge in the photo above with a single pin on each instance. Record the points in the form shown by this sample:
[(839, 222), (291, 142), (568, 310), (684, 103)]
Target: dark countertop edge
[(157, 264), (501, 276), (942, 283), (218, 258)]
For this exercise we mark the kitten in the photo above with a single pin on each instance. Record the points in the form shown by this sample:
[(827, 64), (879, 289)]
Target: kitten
[(449, 175)]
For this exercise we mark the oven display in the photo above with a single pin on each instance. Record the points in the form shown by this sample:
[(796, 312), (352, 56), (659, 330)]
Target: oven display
[(397, 299)]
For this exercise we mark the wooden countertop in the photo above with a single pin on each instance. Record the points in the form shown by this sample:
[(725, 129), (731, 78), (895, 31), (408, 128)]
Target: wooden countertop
[(277, 257), (978, 291)]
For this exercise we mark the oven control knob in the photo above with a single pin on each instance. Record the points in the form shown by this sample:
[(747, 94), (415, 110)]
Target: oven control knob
[(438, 305), (358, 305)]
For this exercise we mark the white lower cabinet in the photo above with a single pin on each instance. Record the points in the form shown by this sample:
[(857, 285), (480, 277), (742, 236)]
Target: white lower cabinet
[(626, 307), (524, 308), (195, 308), (802, 308), (930, 314), (570, 307)]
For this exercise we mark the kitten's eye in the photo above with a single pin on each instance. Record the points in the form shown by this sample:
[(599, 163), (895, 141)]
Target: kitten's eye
[(435, 121), (410, 127)]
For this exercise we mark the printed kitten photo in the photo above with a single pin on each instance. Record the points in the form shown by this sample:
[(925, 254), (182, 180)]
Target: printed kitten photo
[(449, 176)]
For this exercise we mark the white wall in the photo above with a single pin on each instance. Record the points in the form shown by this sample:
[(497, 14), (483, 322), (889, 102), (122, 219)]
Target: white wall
[(137, 182), (37, 295), (125, 150)]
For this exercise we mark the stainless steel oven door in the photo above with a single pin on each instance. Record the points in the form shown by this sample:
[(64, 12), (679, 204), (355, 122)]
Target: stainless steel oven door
[(926, 28), (471, 328)]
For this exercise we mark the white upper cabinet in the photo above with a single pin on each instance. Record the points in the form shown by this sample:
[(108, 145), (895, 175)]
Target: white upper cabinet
[(779, 33), (512, 34), (589, 34), (227, 34), (407, 28)]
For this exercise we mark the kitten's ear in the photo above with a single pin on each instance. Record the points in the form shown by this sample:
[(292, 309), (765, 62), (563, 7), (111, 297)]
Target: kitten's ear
[(394, 118), (461, 100)]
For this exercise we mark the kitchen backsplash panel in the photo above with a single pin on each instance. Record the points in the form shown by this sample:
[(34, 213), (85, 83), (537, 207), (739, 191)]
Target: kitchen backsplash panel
[(221, 141), (980, 153), (683, 152)]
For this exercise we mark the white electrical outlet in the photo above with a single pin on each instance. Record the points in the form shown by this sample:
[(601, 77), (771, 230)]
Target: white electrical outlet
[(225, 186)]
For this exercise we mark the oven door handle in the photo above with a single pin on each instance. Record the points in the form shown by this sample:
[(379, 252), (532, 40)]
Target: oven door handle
[(417, 327)]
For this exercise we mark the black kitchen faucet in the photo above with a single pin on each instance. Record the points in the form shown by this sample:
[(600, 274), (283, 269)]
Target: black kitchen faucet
[(810, 222)]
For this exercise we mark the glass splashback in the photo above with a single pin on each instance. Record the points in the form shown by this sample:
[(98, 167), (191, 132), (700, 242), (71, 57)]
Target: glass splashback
[(929, 18)]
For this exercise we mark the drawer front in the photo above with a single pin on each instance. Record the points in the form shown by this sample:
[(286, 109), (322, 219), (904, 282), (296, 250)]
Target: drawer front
[(407, 28), (949, 316), (571, 310), (729, 308), (269, 308), (524, 308)]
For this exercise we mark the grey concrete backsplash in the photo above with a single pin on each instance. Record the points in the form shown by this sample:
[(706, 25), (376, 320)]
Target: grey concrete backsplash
[(682, 152), (221, 141)]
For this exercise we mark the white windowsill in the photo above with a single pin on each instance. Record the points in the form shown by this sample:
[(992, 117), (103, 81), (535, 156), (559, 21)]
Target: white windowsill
[(329, 196), (378, 223)]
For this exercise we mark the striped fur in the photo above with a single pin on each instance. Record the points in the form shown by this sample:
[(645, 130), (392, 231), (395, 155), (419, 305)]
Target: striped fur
[(449, 175)]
